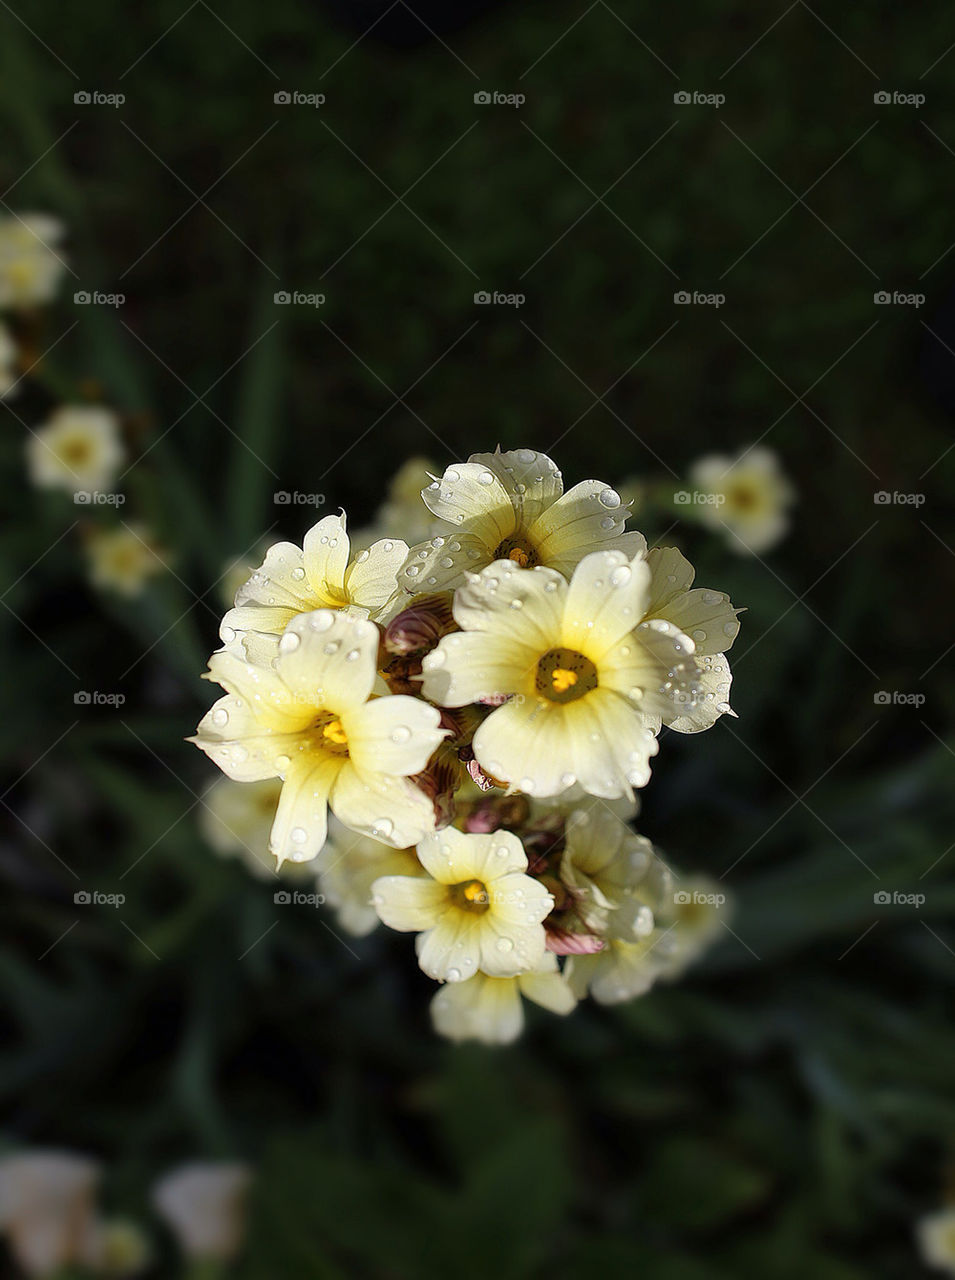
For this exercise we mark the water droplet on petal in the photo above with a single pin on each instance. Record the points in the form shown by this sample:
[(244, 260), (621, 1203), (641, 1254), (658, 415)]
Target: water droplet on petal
[(454, 975), (505, 944), (298, 835), (298, 573), (289, 642), (401, 733), (220, 716), (621, 575), (485, 478), (609, 498), (322, 620)]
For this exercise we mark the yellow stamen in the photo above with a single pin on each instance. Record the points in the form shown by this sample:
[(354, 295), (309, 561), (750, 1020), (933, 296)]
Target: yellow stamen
[(562, 679), (470, 895), (335, 732), (519, 556)]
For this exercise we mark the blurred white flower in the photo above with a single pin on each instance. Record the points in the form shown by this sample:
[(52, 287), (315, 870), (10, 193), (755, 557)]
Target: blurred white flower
[(512, 506), (751, 498), (490, 1010), (8, 362), (204, 1205), (79, 449), (694, 915), (123, 558), (47, 1208), (935, 1234), (236, 818), (350, 865), (31, 262)]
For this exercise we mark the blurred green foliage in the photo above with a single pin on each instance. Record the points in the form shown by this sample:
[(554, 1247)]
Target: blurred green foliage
[(788, 1109)]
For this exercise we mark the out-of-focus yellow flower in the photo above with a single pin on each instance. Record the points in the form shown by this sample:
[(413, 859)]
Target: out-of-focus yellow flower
[(321, 575), (204, 1205), (236, 818), (512, 506), (79, 449), (936, 1239), (31, 263), (476, 912), (122, 559), (750, 498), (8, 362), (490, 1010), (350, 865), (586, 680), (308, 717), (47, 1208)]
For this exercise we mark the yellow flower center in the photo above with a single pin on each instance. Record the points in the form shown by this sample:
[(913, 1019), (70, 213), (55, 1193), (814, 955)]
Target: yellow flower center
[(75, 452), (330, 734), (743, 497), (470, 895), (518, 550), (564, 675)]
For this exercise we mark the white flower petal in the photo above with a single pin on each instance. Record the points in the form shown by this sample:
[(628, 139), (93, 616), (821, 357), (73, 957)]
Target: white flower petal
[(451, 856), (587, 518), (526, 744), (271, 704), (233, 739), (327, 659), (394, 735), (548, 987), (451, 950), (482, 1008), (654, 667), (670, 575), (392, 810), (605, 600), (301, 820), (472, 498), (713, 697), (441, 563), (610, 744), (408, 903), (473, 666), (707, 617), (525, 604), (372, 578), (531, 479), (325, 558)]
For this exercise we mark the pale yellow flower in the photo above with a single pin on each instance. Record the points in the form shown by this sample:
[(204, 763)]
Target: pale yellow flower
[(350, 865), (204, 1205), (490, 1009), (607, 868), (47, 1208), (321, 575), (477, 911), (694, 917), (751, 498), (79, 449), (123, 559), (499, 506), (236, 819), (309, 719), (402, 513), (935, 1234), (8, 362), (586, 678), (31, 262)]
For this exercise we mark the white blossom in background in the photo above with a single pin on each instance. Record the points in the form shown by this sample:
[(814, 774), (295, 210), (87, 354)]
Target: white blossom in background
[(204, 1206), (751, 498), (78, 449), (31, 260), (47, 1209), (935, 1235), (123, 559)]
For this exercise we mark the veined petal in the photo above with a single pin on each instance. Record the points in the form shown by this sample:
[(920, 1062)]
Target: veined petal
[(588, 517), (325, 558), (509, 949), (408, 903), (547, 987), (531, 479), (605, 600), (472, 666), (327, 659), (654, 667), (232, 738), (707, 617), (517, 899), (301, 820), (372, 578), (270, 701), (482, 1008), (441, 563), (394, 735), (472, 498), (713, 697), (451, 950), (279, 582), (526, 744), (525, 604), (451, 856), (671, 574), (610, 744), (392, 810)]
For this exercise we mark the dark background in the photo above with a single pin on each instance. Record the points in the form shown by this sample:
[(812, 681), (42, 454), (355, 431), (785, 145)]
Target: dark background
[(787, 1109)]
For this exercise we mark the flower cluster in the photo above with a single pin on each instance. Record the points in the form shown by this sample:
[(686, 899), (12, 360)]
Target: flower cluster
[(453, 733)]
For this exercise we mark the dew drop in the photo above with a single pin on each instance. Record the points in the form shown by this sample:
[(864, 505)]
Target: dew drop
[(383, 828), (220, 716), (454, 975), (485, 478), (289, 642), (621, 575), (609, 498), (298, 835), (332, 647), (446, 562), (322, 621), (568, 779), (401, 733), (228, 635), (505, 944), (452, 476), (413, 571)]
